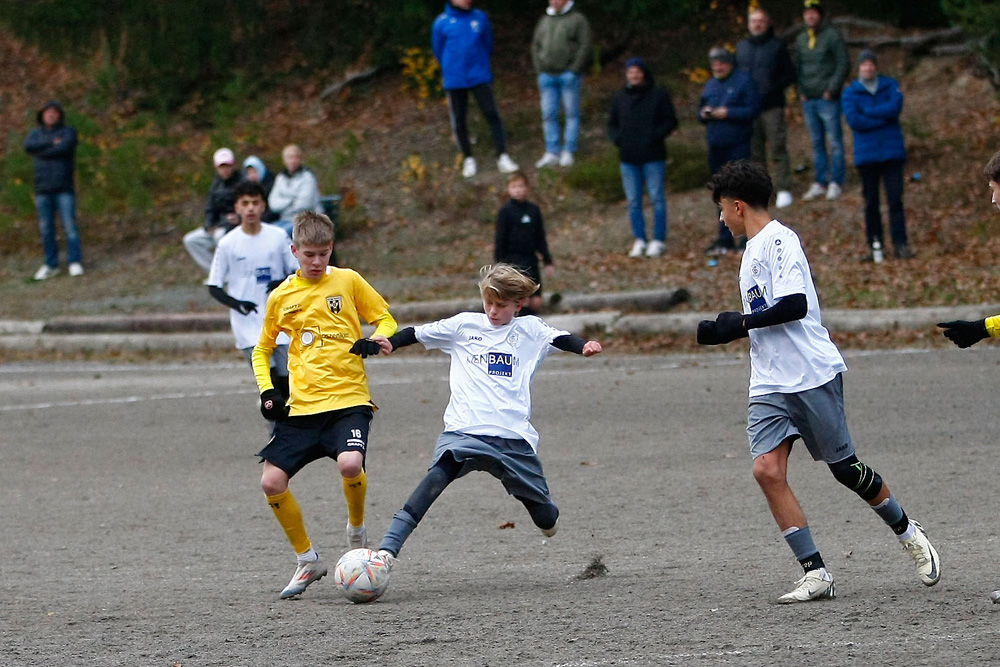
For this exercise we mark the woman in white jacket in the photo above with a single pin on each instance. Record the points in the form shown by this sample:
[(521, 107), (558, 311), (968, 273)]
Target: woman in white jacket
[(295, 189)]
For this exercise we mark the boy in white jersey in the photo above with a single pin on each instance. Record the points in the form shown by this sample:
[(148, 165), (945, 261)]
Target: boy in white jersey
[(796, 386), (493, 359), (329, 409), (252, 260)]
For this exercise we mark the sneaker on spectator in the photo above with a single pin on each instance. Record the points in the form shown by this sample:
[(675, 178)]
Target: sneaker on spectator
[(505, 165), (834, 191), (548, 160), (45, 272), (468, 167), (815, 191), (638, 247), (717, 248), (566, 159), (655, 248), (76, 269), (783, 199)]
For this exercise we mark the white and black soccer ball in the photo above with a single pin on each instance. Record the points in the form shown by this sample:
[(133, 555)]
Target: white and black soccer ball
[(361, 575)]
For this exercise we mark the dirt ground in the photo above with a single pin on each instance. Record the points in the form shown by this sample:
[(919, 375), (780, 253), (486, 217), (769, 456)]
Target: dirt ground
[(135, 532)]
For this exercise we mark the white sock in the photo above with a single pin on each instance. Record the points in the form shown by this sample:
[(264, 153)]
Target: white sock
[(908, 534), (307, 556)]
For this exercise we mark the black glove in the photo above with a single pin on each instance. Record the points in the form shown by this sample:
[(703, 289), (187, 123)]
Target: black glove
[(272, 405), (730, 326), (246, 307), (965, 333), (708, 333), (366, 348)]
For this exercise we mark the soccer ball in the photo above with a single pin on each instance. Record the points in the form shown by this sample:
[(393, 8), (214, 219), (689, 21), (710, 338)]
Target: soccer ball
[(361, 575)]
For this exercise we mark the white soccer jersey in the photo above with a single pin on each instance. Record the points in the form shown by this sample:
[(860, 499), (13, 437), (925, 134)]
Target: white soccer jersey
[(491, 371), (243, 265), (795, 356)]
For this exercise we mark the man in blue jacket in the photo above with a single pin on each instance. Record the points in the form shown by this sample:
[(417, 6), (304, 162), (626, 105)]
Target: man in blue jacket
[(872, 105), (729, 105), (53, 146), (462, 40)]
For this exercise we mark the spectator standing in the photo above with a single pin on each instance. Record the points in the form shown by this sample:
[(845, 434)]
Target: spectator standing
[(520, 238), (220, 214), (560, 51), (462, 40), (295, 189), (821, 67), (52, 145), (872, 105), (255, 170), (766, 58), (729, 105), (642, 117)]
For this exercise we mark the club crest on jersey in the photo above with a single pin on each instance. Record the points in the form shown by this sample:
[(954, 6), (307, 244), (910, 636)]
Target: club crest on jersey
[(755, 269), (500, 363), (334, 302), (512, 339)]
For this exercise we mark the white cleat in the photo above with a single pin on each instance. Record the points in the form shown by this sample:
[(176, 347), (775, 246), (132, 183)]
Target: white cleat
[(357, 538), (815, 585), (924, 556), (550, 532), (305, 574)]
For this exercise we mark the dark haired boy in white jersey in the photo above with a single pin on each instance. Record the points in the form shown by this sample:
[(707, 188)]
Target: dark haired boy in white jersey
[(796, 386)]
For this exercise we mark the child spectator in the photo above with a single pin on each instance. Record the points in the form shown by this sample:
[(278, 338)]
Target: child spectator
[(329, 409), (254, 169), (520, 238), (494, 357)]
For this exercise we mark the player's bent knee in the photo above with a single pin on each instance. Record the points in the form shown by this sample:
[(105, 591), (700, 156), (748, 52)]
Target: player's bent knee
[(351, 464), (272, 483), (767, 471), (858, 477)]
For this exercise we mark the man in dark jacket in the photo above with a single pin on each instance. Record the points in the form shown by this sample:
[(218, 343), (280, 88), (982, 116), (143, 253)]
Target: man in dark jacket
[(872, 105), (642, 117), (220, 213), (53, 146), (821, 67), (729, 105), (766, 58)]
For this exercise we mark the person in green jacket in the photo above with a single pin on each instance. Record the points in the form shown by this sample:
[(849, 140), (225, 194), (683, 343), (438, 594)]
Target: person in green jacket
[(560, 51), (821, 67)]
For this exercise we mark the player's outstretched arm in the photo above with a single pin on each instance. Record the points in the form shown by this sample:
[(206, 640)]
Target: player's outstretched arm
[(965, 333), (401, 338), (577, 345), (242, 307), (366, 347), (591, 348), (730, 325)]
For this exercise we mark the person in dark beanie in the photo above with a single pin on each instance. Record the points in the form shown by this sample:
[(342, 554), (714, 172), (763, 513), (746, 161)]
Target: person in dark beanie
[(729, 105), (53, 146), (821, 67), (642, 117), (766, 58), (872, 104)]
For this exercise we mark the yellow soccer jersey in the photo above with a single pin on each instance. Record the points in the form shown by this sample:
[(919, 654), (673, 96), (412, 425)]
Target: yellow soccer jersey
[(323, 319)]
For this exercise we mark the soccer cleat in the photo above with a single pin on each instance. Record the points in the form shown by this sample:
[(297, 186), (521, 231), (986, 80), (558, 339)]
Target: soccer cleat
[(815, 585), (505, 165), (834, 191), (638, 248), (468, 167), (815, 191), (76, 269), (995, 597), (566, 159), (305, 574), (550, 532), (655, 248), (45, 272), (357, 538), (784, 199), (924, 556), (548, 160), (387, 558)]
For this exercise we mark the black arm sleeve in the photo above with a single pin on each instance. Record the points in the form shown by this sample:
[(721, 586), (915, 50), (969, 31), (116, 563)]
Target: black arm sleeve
[(787, 309), (403, 337), (569, 343), (222, 297)]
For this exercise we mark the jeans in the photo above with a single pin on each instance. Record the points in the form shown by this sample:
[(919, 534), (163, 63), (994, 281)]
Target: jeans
[(823, 120), (65, 204), (891, 172), (769, 141), (553, 87), (652, 175)]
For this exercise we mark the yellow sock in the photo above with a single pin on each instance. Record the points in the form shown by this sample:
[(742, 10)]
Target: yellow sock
[(355, 490), (289, 515)]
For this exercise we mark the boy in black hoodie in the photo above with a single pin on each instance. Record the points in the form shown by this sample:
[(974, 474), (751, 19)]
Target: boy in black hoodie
[(520, 238)]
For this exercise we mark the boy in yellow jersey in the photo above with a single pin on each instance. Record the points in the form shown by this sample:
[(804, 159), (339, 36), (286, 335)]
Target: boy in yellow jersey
[(329, 409), (966, 333)]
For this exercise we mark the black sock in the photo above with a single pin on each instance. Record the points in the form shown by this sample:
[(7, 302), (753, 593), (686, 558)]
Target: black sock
[(813, 562), (900, 526)]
